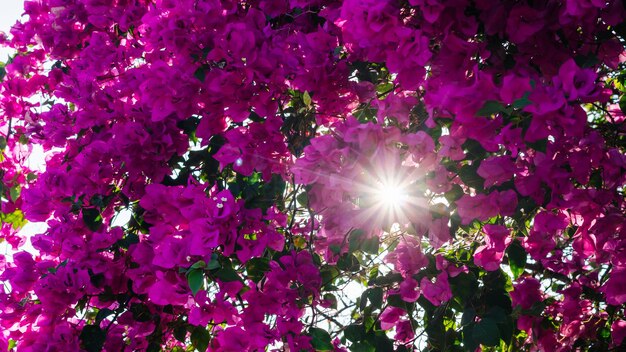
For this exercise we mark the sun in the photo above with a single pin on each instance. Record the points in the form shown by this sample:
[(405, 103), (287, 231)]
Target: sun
[(391, 195), (389, 201)]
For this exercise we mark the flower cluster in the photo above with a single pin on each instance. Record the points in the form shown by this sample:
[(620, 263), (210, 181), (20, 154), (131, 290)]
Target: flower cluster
[(314, 175)]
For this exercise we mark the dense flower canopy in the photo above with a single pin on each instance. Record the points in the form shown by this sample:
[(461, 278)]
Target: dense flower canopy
[(363, 175)]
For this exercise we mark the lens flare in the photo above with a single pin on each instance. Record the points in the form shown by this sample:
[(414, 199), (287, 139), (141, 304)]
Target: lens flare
[(391, 195), (389, 201)]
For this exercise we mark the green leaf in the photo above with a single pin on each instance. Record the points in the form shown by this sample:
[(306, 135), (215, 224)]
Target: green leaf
[(227, 274), (370, 245), (200, 74), (141, 312), (303, 199), (355, 239), (154, 346), (306, 98), (402, 348), (92, 338), (3, 143), (595, 179), (102, 314), (180, 333), (200, 338), (330, 298), (329, 274), (198, 265), (455, 193), (517, 258), (604, 333), (362, 346), (504, 321), (375, 296), (384, 87), (474, 150), (469, 343), (96, 279), (469, 314), (397, 301), (497, 314), (255, 117), (16, 219), (522, 102), (500, 284), (385, 280), (354, 332), (106, 296), (128, 240), (363, 71), (622, 103), (586, 61), (335, 248), (214, 263), (373, 272), (258, 194), (536, 309), (358, 241), (540, 145), (15, 193), (381, 341), (366, 113), (369, 322), (195, 279), (92, 218), (470, 177), (257, 267), (490, 107), (320, 340), (348, 262), (486, 332), (189, 127)]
